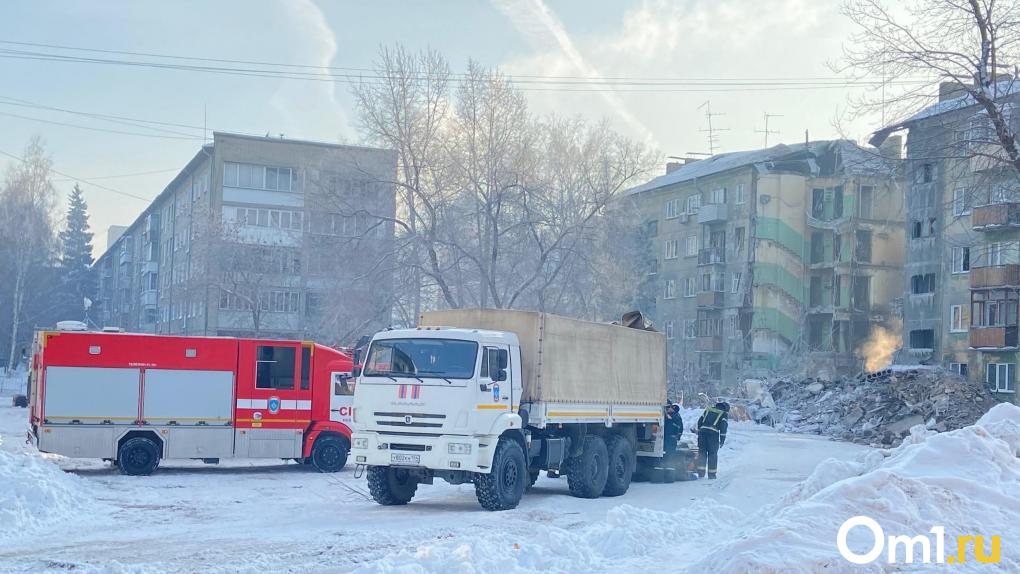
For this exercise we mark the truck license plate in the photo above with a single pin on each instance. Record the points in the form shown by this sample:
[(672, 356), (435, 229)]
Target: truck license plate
[(405, 458)]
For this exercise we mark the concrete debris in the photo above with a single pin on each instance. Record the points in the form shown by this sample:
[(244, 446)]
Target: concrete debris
[(877, 408)]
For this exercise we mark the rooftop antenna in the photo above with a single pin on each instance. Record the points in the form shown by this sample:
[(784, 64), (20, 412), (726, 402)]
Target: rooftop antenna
[(767, 131), (713, 138)]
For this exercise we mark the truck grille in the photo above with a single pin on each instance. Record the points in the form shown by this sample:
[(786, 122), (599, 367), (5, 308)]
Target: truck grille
[(411, 424), (410, 447), (414, 415)]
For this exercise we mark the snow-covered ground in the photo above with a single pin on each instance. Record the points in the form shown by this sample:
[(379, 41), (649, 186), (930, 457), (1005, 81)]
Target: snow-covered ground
[(769, 511)]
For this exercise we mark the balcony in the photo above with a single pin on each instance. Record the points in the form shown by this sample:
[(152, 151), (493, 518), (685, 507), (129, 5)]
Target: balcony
[(995, 216), (713, 213), (150, 267), (125, 256), (993, 277), (148, 298), (709, 344), (712, 256), (711, 299), (993, 337)]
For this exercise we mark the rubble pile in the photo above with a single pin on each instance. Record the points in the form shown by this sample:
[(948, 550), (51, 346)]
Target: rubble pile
[(876, 408)]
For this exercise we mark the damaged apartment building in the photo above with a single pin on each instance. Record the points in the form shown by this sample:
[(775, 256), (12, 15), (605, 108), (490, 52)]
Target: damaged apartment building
[(774, 260), (963, 248)]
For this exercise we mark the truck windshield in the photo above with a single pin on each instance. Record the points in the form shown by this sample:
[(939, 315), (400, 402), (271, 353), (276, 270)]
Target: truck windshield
[(441, 358)]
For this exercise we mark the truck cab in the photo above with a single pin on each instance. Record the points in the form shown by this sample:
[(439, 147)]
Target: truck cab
[(437, 398)]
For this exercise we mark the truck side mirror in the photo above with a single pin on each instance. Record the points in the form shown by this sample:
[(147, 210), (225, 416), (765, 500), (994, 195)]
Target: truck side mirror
[(356, 372), (500, 376)]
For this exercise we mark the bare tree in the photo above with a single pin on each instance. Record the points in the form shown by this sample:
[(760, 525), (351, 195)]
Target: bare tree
[(921, 48), (26, 232), (496, 208)]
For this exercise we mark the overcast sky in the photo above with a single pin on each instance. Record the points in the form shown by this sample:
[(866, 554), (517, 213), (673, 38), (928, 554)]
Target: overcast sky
[(692, 39)]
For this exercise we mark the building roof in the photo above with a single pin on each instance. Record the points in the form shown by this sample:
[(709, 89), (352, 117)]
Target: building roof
[(1002, 89), (808, 156)]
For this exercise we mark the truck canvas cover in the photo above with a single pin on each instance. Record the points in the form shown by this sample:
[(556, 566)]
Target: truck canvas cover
[(573, 361)]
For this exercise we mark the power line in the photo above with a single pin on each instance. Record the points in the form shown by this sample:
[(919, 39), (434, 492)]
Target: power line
[(85, 181), (373, 71), (551, 83), (121, 132), (122, 175)]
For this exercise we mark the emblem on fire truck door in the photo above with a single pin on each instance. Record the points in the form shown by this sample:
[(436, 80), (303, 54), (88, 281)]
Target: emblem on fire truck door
[(274, 405)]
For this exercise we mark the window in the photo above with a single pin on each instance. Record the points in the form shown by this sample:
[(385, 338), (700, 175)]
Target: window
[(717, 195), (669, 292), (494, 362), (738, 239), (920, 284), (1000, 377), (258, 176), (961, 259), (922, 339), (735, 287), (959, 369), (961, 201), (652, 228), (690, 287), (673, 208), (690, 328), (862, 252), (274, 367), (995, 308), (306, 367), (437, 358), (922, 228), (343, 385), (956, 319), (669, 329), (925, 173), (230, 174), (693, 204), (150, 315), (672, 248), (653, 266), (1001, 253), (738, 194), (866, 200), (691, 246), (313, 305)]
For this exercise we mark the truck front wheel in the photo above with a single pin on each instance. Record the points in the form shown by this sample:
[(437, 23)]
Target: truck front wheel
[(503, 488), (587, 473), (329, 453), (621, 466), (391, 486), (138, 456)]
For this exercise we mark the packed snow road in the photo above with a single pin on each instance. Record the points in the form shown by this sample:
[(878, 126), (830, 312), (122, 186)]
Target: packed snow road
[(284, 517)]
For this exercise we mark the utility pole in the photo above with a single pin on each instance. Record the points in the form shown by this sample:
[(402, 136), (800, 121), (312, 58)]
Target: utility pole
[(713, 138), (767, 131)]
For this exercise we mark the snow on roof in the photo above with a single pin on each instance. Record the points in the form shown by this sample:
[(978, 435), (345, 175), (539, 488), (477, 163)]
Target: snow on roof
[(855, 159), (1002, 89)]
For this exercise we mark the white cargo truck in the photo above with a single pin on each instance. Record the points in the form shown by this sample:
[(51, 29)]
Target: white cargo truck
[(493, 397)]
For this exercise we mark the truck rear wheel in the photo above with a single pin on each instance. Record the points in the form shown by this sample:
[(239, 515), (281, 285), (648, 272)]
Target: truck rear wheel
[(587, 473), (621, 466), (138, 456), (391, 486), (329, 453), (504, 486)]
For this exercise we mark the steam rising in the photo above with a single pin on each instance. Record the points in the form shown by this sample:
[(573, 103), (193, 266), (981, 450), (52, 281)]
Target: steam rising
[(877, 351)]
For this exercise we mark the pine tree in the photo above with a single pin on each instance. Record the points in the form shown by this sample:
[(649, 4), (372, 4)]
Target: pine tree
[(76, 256)]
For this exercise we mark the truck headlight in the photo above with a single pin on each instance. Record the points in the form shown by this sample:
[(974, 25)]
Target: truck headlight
[(459, 448), (360, 443)]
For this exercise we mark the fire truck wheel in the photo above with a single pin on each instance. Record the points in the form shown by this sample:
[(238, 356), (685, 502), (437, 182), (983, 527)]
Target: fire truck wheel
[(587, 473), (503, 488), (621, 466), (138, 456), (391, 486), (329, 453)]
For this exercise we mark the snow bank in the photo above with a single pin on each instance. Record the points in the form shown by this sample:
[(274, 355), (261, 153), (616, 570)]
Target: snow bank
[(967, 480), (628, 534), (35, 493)]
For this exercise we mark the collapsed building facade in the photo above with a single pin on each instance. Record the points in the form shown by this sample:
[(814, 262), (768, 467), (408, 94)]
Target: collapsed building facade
[(963, 249), (774, 260)]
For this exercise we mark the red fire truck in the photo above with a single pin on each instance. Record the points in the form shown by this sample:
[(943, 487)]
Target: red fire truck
[(136, 399)]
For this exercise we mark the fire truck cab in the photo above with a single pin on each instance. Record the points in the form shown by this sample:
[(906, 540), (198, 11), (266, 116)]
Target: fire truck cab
[(137, 399)]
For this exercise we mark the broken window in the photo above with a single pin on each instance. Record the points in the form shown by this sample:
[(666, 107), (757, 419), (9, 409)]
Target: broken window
[(922, 339), (863, 251), (920, 284), (867, 197)]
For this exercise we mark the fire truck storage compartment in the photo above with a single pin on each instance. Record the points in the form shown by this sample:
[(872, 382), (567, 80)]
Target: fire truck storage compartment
[(91, 395), (197, 406), (269, 443)]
